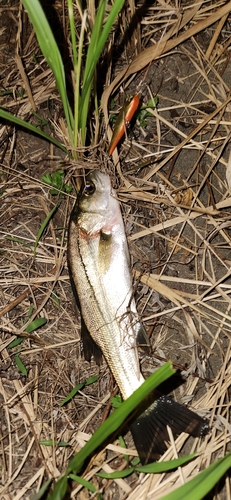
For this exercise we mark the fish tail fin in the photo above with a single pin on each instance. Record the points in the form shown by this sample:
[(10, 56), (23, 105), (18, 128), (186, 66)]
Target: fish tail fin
[(150, 432)]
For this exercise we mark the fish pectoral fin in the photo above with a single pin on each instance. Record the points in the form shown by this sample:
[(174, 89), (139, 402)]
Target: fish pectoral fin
[(90, 348), (104, 251), (150, 432)]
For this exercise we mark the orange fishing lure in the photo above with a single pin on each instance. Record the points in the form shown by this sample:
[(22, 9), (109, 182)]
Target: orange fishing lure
[(123, 120)]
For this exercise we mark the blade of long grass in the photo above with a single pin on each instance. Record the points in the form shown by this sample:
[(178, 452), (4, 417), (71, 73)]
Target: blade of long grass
[(32, 128), (52, 54), (35, 324), (72, 28), (59, 491), (91, 61), (157, 468), (42, 491), (20, 365), (95, 36), (199, 486), (44, 225), (77, 91), (83, 482), (98, 40), (77, 60), (99, 37)]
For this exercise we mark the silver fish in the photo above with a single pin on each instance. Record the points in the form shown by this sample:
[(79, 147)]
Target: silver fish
[(99, 267)]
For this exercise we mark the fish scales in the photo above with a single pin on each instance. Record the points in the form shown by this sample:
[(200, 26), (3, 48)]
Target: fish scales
[(99, 266)]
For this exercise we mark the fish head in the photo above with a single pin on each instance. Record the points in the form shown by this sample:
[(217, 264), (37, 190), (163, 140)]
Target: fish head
[(97, 207)]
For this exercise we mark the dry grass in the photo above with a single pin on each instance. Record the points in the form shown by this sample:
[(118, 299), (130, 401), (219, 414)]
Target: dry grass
[(174, 185)]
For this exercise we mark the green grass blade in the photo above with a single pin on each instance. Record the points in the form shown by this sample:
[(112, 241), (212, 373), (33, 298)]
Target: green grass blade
[(35, 324), (159, 467), (91, 380), (72, 28), (202, 484), (60, 489), (83, 482), (52, 54), (44, 225), (156, 467), (42, 491), (97, 43), (72, 393), (119, 474), (17, 240), (99, 37), (32, 128), (91, 61), (20, 365), (16, 342), (77, 93), (93, 55), (77, 388)]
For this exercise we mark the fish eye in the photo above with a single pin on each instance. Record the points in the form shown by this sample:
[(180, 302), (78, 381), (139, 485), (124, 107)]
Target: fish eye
[(89, 189)]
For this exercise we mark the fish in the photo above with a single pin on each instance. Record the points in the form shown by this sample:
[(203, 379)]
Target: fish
[(99, 267)]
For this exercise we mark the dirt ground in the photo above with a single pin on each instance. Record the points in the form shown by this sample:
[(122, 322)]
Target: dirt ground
[(173, 179)]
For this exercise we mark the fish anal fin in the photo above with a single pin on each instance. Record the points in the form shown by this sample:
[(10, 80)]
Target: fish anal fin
[(149, 430), (90, 348), (141, 336)]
